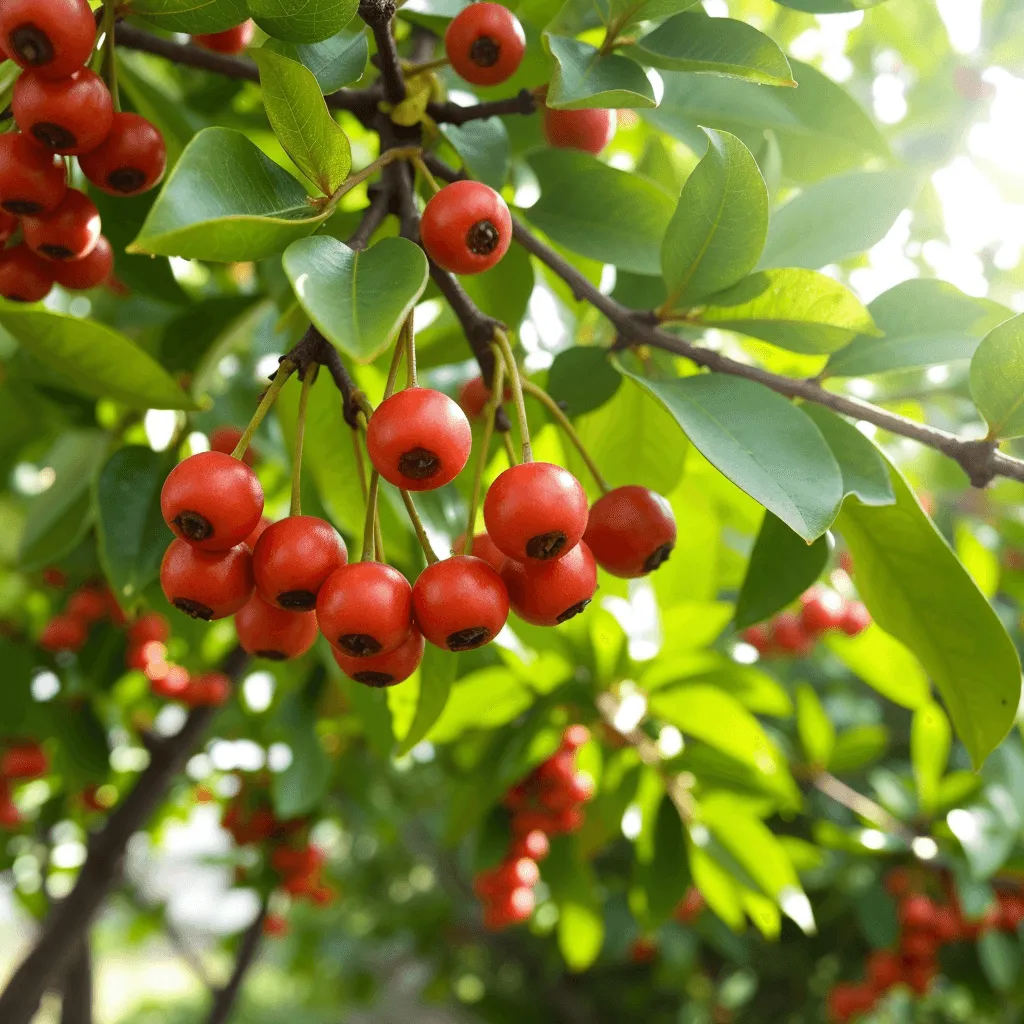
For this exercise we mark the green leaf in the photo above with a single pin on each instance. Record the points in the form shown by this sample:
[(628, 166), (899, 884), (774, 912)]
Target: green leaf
[(637, 11), (918, 591), (583, 78), (335, 62), (574, 890), (436, 675), (999, 955), (359, 300), (132, 532), (598, 211), (300, 788), (192, 15), (883, 663), (761, 442), (301, 121), (978, 559), (782, 566), (485, 148), (930, 739), (997, 379), (858, 208), (309, 22), (721, 46), (858, 747), (666, 878), (92, 358), (800, 310), (717, 887), (582, 378), (226, 201), (829, 6), (923, 322), (817, 733), (718, 229), (865, 472)]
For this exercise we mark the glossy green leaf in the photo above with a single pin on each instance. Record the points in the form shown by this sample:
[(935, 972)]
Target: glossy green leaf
[(721, 46), (301, 121), (574, 889), (858, 747), (980, 560), (830, 6), (582, 378), (883, 663), (717, 887), (584, 78), (666, 878), (997, 379), (918, 591), (930, 740), (761, 442), (92, 358), (718, 229), (800, 310), (635, 11), (301, 786), (485, 148), (598, 211), (359, 300), (817, 733), (309, 22), (435, 676), (335, 62), (865, 472), (999, 956), (226, 201), (192, 15)]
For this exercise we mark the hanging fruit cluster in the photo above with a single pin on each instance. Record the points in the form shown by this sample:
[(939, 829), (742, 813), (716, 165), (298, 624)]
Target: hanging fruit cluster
[(63, 109), (793, 634), (87, 606), (19, 762)]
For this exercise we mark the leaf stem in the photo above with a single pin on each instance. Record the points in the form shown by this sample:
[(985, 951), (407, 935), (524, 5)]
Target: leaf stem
[(410, 352), (424, 171), (501, 340), (417, 525), (389, 156), (412, 70), (396, 361), (510, 449), (300, 433), (490, 411), (284, 371)]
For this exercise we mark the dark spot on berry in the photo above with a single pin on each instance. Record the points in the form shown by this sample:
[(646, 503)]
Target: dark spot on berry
[(18, 298), (484, 52), (31, 44), (272, 655), (193, 609), (297, 600), (193, 526), (658, 557), (22, 207), (374, 679), (126, 179), (546, 545), (57, 252), (418, 464), (55, 136), (467, 639), (359, 645), (482, 238), (570, 613)]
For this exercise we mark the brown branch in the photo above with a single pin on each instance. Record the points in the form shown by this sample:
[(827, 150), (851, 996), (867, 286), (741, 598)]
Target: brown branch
[(373, 217), (379, 14), (76, 994), (452, 113), (837, 790), (225, 999)]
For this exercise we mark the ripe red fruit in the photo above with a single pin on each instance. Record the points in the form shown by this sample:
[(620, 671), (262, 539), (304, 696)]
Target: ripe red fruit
[(8, 225), (631, 531), (149, 628), (419, 439), (919, 945), (212, 501), (87, 604), (475, 394), (855, 619), (512, 908), (293, 558), (549, 593), (466, 227), (919, 974), (575, 736), (275, 926), (460, 603), (822, 610), (898, 882), (690, 907), (365, 609), (32, 181), (212, 690), (485, 44), (225, 439), (517, 873), (70, 115), (206, 584), (231, 40), (847, 1001), (384, 669), (534, 845), (483, 547), (917, 912), (759, 637), (130, 160), (24, 276), (64, 633), (286, 861), (643, 950), (53, 37), (789, 635), (536, 512), (883, 970), (70, 232), (89, 272), (258, 530), (10, 816), (270, 632), (587, 130), (25, 761)]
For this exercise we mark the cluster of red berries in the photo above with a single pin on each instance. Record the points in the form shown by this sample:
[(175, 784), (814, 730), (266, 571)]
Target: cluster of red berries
[(794, 634), (87, 606), (18, 763), (63, 109), (547, 802)]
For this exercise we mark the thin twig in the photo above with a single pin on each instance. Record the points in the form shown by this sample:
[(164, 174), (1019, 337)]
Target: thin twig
[(865, 807), (373, 216), (452, 113), (225, 999)]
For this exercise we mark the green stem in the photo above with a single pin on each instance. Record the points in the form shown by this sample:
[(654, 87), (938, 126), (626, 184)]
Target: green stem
[(501, 339), (389, 156), (300, 433), (396, 361), (510, 449), (411, 70), (490, 411), (369, 536), (417, 525), (284, 371), (378, 539), (410, 352), (109, 63), (424, 171)]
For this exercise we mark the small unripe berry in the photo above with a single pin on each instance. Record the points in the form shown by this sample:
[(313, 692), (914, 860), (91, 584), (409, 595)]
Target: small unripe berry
[(466, 227), (485, 44), (586, 130)]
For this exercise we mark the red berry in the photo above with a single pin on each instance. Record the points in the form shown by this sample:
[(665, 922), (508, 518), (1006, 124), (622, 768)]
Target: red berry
[(207, 584), (88, 604), (208, 691), (1011, 912), (919, 974), (587, 130), (275, 926), (24, 276), (919, 945), (575, 736), (759, 637), (581, 789), (855, 619), (70, 232), (8, 225), (460, 603), (419, 439), (917, 912), (644, 950), (483, 547), (293, 558), (131, 159), (822, 610), (884, 970), (53, 37), (485, 44), (847, 1001), (89, 272), (789, 635), (898, 882), (10, 816), (212, 501), (149, 628), (475, 394), (232, 40), (534, 845), (25, 761), (260, 528), (225, 439), (69, 115), (690, 907), (384, 669), (365, 609), (512, 908), (536, 512), (307, 861), (948, 925), (551, 592), (631, 531), (466, 227), (64, 633), (32, 181), (270, 632), (521, 872)]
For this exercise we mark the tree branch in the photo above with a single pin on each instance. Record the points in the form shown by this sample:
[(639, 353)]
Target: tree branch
[(452, 113), (865, 807), (378, 14), (76, 991), (225, 999), (373, 217), (61, 934)]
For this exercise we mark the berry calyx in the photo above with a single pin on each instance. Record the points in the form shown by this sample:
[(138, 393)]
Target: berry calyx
[(475, 394), (460, 603), (206, 585), (419, 439), (70, 116), (550, 593), (32, 181), (130, 160), (631, 531), (586, 130), (64, 633), (89, 272), (388, 669), (485, 44), (231, 40), (212, 500), (24, 276), (54, 38), (536, 512), (365, 609), (70, 232), (293, 558), (267, 631), (466, 227)]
